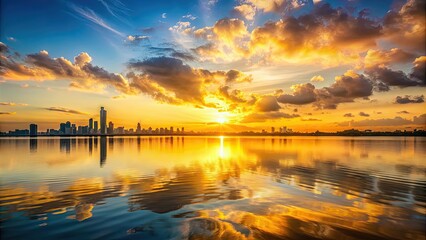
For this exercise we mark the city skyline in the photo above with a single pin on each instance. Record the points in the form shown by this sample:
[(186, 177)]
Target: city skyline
[(68, 129), (247, 65)]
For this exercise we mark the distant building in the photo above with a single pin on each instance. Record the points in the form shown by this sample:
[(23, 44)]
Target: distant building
[(33, 129), (103, 120), (138, 129), (62, 128), (95, 127), (110, 128), (272, 130), (90, 125)]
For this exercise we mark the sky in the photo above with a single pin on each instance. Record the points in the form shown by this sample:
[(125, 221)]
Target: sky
[(241, 65)]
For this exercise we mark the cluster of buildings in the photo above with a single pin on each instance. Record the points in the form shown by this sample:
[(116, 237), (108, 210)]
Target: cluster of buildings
[(281, 130), (95, 128)]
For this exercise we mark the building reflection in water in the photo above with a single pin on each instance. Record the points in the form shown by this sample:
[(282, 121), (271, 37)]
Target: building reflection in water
[(33, 144), (246, 188), (65, 144), (103, 151)]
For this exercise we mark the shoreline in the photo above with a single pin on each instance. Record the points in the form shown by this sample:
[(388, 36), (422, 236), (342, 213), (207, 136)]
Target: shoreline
[(384, 134)]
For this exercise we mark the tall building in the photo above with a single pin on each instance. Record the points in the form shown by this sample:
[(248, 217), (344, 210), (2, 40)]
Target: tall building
[(95, 127), (33, 129), (138, 129), (103, 120), (62, 128), (90, 125)]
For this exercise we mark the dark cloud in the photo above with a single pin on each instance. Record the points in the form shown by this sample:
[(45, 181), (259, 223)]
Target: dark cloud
[(7, 113), (181, 83), (262, 117), (235, 96), (64, 110), (267, 104), (235, 76), (403, 112), (184, 56), (172, 52), (363, 114), (421, 120), (409, 99), (346, 88), (419, 70), (351, 85), (406, 26), (175, 76), (302, 94), (3, 48), (390, 77), (348, 115)]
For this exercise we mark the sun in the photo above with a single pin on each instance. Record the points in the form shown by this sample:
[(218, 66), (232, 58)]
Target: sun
[(221, 120)]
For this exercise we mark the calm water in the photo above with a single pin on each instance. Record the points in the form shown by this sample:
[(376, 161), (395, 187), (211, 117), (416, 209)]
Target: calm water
[(213, 188)]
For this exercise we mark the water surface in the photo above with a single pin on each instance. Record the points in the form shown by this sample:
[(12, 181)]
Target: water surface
[(213, 188)]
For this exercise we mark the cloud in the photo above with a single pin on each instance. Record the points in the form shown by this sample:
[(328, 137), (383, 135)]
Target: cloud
[(12, 104), (383, 57), (419, 70), (164, 15), (64, 110), (348, 115), (394, 122), (91, 16), (7, 113), (223, 40), (325, 35), (182, 28), (116, 8), (136, 39), (409, 99), (267, 104), (40, 66), (11, 39), (178, 83), (279, 6), (246, 11), (262, 117), (310, 120), (190, 17), (302, 94), (346, 88), (406, 26), (390, 77), (421, 120), (403, 112), (363, 114), (212, 2), (317, 78)]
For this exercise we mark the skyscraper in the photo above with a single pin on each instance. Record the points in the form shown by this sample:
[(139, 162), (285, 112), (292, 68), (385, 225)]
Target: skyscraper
[(33, 130), (138, 129), (103, 120), (90, 125), (95, 127)]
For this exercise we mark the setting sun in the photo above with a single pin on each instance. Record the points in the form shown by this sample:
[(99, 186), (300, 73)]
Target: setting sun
[(221, 120)]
